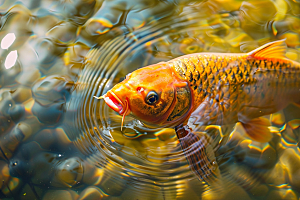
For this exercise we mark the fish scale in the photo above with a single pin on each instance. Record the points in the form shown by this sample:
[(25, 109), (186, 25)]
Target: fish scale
[(227, 82), (229, 77), (211, 89)]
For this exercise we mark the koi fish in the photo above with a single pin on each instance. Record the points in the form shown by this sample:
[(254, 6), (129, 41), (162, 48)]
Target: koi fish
[(217, 88)]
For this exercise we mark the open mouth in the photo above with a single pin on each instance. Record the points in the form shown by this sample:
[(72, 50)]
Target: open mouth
[(114, 102)]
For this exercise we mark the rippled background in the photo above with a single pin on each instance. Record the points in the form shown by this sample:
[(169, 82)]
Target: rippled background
[(58, 142)]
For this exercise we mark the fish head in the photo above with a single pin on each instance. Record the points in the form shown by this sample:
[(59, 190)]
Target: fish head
[(150, 94)]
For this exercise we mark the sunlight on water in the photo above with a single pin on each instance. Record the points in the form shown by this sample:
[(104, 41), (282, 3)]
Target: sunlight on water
[(57, 141), (7, 41), (11, 59)]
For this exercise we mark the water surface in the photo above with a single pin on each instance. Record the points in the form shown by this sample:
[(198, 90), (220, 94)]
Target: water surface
[(59, 142)]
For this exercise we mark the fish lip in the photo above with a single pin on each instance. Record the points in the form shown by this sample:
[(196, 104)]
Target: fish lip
[(114, 102)]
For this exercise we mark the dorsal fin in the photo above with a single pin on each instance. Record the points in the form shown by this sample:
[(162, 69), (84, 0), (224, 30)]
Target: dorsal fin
[(276, 49)]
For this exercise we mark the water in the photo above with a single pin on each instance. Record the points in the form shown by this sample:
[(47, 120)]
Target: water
[(59, 142)]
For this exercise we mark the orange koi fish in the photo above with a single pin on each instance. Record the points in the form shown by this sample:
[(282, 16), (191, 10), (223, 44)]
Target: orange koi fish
[(218, 88)]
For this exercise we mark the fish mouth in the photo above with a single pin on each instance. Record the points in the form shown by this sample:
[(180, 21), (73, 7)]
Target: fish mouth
[(114, 102)]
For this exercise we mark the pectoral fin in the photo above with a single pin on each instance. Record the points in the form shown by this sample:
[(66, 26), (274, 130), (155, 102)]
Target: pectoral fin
[(201, 159), (258, 129)]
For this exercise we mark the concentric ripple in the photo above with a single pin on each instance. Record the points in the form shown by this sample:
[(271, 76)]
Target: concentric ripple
[(146, 158)]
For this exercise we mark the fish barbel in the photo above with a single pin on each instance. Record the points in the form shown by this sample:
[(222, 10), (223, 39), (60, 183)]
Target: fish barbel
[(217, 88)]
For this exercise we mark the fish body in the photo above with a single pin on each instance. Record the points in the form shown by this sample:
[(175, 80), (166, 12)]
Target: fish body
[(216, 88), (238, 87)]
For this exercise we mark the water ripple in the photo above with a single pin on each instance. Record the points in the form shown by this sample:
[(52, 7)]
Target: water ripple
[(139, 154)]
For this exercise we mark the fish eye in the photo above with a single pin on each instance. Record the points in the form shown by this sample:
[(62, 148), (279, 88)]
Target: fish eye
[(151, 98)]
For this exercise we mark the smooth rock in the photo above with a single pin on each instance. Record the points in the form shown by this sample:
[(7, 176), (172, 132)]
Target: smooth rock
[(291, 160), (260, 190), (68, 173), (92, 193), (277, 176), (112, 185), (21, 94), (60, 195), (282, 194), (63, 33)]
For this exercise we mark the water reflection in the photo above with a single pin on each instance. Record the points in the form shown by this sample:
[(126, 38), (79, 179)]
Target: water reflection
[(11, 59), (57, 141), (7, 41)]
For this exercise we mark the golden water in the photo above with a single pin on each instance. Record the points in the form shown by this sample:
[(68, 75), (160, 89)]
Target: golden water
[(58, 142)]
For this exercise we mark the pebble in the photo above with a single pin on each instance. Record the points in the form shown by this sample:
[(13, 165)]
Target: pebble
[(45, 138), (60, 195), (14, 23), (149, 192), (64, 33), (91, 193), (135, 150), (191, 189), (232, 191), (4, 174), (76, 53), (62, 138), (29, 161), (29, 192), (28, 127), (294, 7), (260, 190), (292, 39), (278, 118), (292, 112), (261, 158), (92, 175), (28, 78), (289, 136), (52, 39), (52, 89), (289, 23), (282, 9), (166, 134), (9, 77), (68, 173), (49, 53), (8, 185), (11, 141), (290, 159), (277, 176), (48, 115), (236, 37), (112, 185), (51, 94), (282, 194), (21, 94), (227, 4), (80, 11), (255, 15), (44, 23), (292, 54), (157, 150)]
